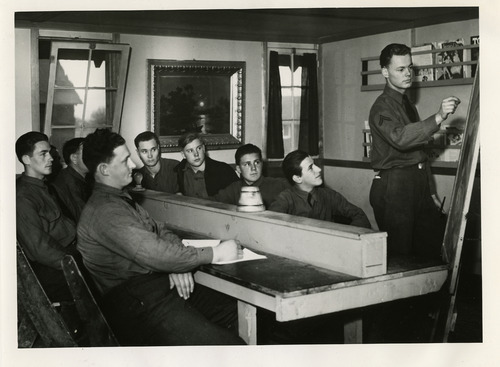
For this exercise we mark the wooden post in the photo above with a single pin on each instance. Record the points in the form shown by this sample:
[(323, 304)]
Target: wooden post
[(247, 322)]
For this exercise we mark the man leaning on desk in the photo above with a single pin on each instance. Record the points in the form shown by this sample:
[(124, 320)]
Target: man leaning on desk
[(308, 198), (404, 204), (136, 262)]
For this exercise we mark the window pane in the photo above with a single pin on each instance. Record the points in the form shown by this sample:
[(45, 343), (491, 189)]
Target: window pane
[(101, 73), (287, 130), (95, 111), (67, 109), (291, 140), (297, 77), (285, 76), (296, 102), (71, 73), (286, 103)]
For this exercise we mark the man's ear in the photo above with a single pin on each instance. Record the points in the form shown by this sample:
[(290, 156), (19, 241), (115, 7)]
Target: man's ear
[(385, 73), (183, 155), (297, 179), (26, 159), (73, 158), (102, 169), (238, 169)]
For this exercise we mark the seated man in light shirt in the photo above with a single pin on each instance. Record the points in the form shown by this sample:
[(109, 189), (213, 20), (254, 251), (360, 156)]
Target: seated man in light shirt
[(307, 199), (249, 164), (136, 262), (198, 175)]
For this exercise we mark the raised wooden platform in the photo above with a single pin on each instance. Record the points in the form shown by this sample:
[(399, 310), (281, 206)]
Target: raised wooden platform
[(346, 249)]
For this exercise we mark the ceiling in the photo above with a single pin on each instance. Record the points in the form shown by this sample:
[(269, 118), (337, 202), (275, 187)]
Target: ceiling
[(304, 25)]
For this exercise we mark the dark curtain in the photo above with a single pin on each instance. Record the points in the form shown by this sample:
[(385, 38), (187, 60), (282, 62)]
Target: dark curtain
[(274, 123), (309, 115)]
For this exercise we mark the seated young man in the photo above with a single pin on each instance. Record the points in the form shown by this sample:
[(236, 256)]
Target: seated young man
[(248, 160), (70, 185), (158, 173), (44, 233), (198, 175), (307, 199), (136, 261)]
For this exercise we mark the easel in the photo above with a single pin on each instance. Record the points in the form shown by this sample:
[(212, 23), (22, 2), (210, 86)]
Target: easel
[(457, 219)]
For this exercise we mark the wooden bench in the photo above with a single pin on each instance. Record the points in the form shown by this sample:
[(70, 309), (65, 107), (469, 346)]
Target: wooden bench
[(38, 316), (42, 313), (98, 330)]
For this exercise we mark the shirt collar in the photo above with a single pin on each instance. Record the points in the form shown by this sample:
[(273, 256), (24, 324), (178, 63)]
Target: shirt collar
[(303, 194), (188, 167), (75, 173), (33, 180), (256, 183), (394, 94), (98, 186)]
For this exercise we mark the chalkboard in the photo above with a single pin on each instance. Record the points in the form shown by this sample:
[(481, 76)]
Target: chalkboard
[(462, 188)]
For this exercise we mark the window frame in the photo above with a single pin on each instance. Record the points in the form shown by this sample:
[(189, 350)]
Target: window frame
[(291, 50), (56, 45)]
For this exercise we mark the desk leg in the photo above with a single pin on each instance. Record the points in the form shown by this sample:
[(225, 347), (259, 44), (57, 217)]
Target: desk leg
[(353, 329), (247, 322)]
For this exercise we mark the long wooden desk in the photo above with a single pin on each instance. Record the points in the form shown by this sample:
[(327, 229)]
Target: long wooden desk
[(287, 283), (294, 290)]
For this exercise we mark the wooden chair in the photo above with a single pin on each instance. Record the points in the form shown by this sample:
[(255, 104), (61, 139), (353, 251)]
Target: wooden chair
[(98, 330), (42, 313)]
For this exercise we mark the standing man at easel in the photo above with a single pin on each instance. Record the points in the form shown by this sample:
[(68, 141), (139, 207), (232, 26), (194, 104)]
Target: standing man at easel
[(403, 202)]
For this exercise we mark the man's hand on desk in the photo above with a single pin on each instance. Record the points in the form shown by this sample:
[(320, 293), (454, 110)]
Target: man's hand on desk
[(227, 251), (184, 283)]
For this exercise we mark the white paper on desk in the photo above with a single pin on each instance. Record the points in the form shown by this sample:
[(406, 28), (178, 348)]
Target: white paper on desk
[(247, 254)]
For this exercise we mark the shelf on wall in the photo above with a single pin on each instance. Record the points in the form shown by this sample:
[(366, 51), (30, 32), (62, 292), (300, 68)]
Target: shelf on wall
[(467, 70)]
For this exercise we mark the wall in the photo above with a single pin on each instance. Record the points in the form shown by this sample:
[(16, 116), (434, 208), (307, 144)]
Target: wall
[(346, 107), (23, 85), (135, 117)]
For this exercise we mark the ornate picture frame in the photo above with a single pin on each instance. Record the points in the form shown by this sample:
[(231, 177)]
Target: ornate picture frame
[(207, 97)]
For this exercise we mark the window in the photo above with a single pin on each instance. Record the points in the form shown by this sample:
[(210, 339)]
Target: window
[(291, 92), (290, 61), (84, 89)]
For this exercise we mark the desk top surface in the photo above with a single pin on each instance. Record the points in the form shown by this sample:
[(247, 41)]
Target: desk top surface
[(284, 277), (280, 276)]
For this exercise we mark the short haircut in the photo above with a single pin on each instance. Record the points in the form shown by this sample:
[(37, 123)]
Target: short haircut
[(391, 50), (246, 149), (146, 136), (291, 164), (188, 138), (71, 147), (25, 144), (98, 148)]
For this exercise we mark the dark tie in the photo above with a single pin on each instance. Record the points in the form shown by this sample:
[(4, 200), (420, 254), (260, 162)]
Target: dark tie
[(310, 200), (410, 111)]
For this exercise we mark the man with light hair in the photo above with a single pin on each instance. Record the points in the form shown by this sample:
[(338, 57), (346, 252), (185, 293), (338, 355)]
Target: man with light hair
[(199, 175)]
